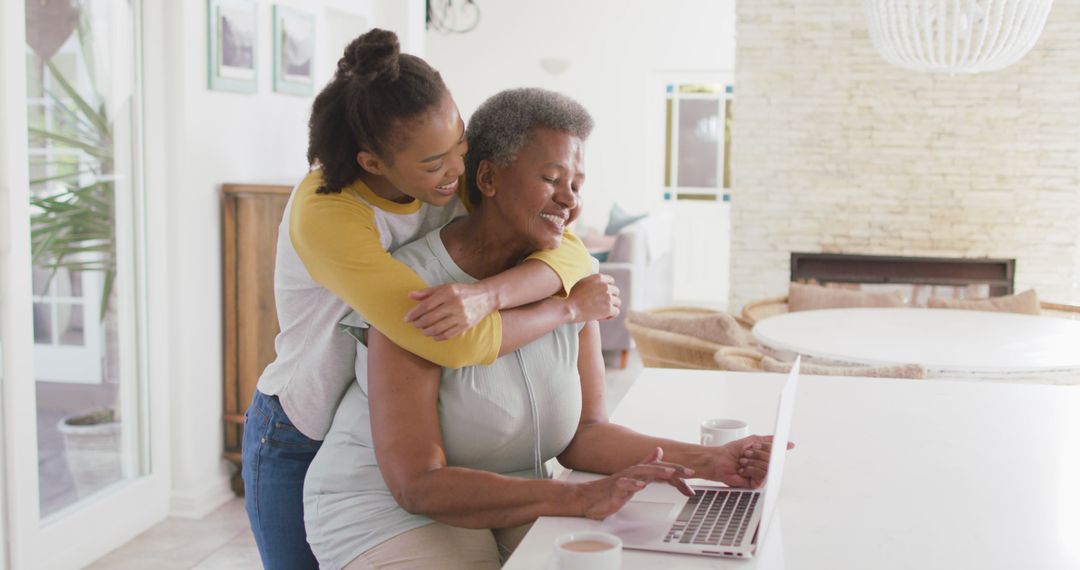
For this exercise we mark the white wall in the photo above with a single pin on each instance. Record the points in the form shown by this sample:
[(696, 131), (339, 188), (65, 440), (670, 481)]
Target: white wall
[(215, 137), (619, 53), (838, 151)]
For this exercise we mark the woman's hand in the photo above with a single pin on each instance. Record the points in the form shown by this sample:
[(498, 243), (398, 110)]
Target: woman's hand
[(449, 310), (604, 497), (742, 463), (594, 298)]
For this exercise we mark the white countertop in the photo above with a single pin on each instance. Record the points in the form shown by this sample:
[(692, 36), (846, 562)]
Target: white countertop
[(887, 474), (943, 340)]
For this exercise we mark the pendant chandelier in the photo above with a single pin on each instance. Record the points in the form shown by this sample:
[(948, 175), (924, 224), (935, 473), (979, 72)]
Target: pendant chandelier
[(955, 36)]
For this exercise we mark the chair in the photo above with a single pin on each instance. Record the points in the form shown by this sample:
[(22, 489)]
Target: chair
[(1059, 310), (754, 311), (665, 340), (739, 359), (810, 296), (902, 371), (663, 349)]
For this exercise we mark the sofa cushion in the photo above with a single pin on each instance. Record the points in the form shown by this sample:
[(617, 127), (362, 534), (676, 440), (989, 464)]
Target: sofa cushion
[(720, 328), (1026, 303), (802, 297)]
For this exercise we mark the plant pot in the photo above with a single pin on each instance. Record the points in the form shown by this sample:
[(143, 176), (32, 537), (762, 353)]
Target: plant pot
[(92, 451)]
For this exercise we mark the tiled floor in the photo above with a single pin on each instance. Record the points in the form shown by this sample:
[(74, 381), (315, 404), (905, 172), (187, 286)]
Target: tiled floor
[(223, 540)]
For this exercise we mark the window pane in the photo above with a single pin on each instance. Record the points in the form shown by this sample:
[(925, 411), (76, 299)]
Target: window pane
[(41, 278), (42, 323), (699, 139), (69, 317)]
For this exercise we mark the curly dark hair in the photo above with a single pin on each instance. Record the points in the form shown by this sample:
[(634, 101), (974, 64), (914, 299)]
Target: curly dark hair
[(375, 89)]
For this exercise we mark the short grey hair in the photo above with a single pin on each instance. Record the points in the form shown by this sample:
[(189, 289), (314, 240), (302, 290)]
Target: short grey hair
[(501, 127)]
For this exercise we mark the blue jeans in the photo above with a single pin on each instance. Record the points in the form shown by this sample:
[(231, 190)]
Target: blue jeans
[(276, 457)]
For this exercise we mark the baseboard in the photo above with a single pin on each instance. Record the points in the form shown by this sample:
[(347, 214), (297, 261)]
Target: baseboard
[(203, 501)]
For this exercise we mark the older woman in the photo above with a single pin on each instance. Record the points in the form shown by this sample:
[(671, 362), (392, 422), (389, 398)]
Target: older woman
[(428, 467)]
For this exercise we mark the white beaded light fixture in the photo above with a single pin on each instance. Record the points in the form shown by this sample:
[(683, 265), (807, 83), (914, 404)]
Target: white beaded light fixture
[(955, 36)]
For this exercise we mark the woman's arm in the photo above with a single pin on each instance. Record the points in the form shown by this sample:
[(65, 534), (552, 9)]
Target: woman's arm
[(448, 310), (602, 447), (594, 298), (411, 458), (336, 239)]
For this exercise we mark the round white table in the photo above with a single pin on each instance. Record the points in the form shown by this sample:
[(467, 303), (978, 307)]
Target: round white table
[(945, 341)]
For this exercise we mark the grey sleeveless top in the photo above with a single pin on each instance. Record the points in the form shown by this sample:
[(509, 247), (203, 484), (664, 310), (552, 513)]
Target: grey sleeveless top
[(509, 417)]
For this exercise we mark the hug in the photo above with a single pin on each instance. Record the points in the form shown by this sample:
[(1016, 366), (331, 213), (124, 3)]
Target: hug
[(439, 343)]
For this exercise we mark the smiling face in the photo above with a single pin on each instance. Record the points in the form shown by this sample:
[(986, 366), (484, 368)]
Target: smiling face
[(538, 194), (430, 163)]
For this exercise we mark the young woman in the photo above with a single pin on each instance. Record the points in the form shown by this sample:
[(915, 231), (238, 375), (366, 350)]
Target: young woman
[(428, 467), (386, 146)]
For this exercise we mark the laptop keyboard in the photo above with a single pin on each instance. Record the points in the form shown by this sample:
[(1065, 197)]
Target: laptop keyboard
[(714, 517)]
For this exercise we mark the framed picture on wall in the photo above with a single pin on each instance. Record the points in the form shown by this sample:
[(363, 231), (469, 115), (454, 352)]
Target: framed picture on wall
[(294, 51), (232, 45)]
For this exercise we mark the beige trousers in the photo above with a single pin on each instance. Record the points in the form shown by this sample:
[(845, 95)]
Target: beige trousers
[(443, 546)]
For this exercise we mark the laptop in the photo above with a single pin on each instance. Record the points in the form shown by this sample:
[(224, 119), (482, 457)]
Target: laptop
[(717, 520)]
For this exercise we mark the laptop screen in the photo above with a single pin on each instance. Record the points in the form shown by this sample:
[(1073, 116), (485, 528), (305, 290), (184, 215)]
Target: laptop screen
[(779, 447)]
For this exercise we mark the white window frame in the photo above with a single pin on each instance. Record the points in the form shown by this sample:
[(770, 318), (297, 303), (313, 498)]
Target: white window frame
[(672, 190), (74, 537)]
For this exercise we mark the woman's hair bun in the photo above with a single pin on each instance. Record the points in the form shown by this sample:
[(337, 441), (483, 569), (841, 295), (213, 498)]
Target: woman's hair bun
[(374, 54)]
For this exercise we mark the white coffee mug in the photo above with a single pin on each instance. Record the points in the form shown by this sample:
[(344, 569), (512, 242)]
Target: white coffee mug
[(720, 431), (588, 551)]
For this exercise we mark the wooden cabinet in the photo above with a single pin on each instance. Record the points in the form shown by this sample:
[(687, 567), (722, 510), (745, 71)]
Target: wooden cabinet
[(251, 214)]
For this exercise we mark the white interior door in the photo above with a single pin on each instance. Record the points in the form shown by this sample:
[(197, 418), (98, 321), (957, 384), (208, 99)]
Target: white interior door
[(70, 133), (689, 140)]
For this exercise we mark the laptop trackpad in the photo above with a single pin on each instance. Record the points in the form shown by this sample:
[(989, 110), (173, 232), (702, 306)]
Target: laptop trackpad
[(640, 522)]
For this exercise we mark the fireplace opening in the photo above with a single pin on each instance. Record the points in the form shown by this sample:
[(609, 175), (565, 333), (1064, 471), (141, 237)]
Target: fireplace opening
[(918, 278)]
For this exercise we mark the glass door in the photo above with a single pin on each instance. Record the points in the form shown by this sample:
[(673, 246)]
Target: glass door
[(75, 401)]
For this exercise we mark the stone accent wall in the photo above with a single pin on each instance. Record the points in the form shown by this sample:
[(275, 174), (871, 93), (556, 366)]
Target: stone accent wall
[(837, 151)]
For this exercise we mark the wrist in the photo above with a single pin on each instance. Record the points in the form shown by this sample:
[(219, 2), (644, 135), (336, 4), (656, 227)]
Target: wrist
[(706, 462), (568, 500), (578, 503), (496, 301), (569, 312)]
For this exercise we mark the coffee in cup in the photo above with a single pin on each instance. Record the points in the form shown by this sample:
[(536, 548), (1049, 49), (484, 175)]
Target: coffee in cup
[(588, 551), (587, 545)]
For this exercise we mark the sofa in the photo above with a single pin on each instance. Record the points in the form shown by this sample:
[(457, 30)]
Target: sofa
[(641, 261)]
